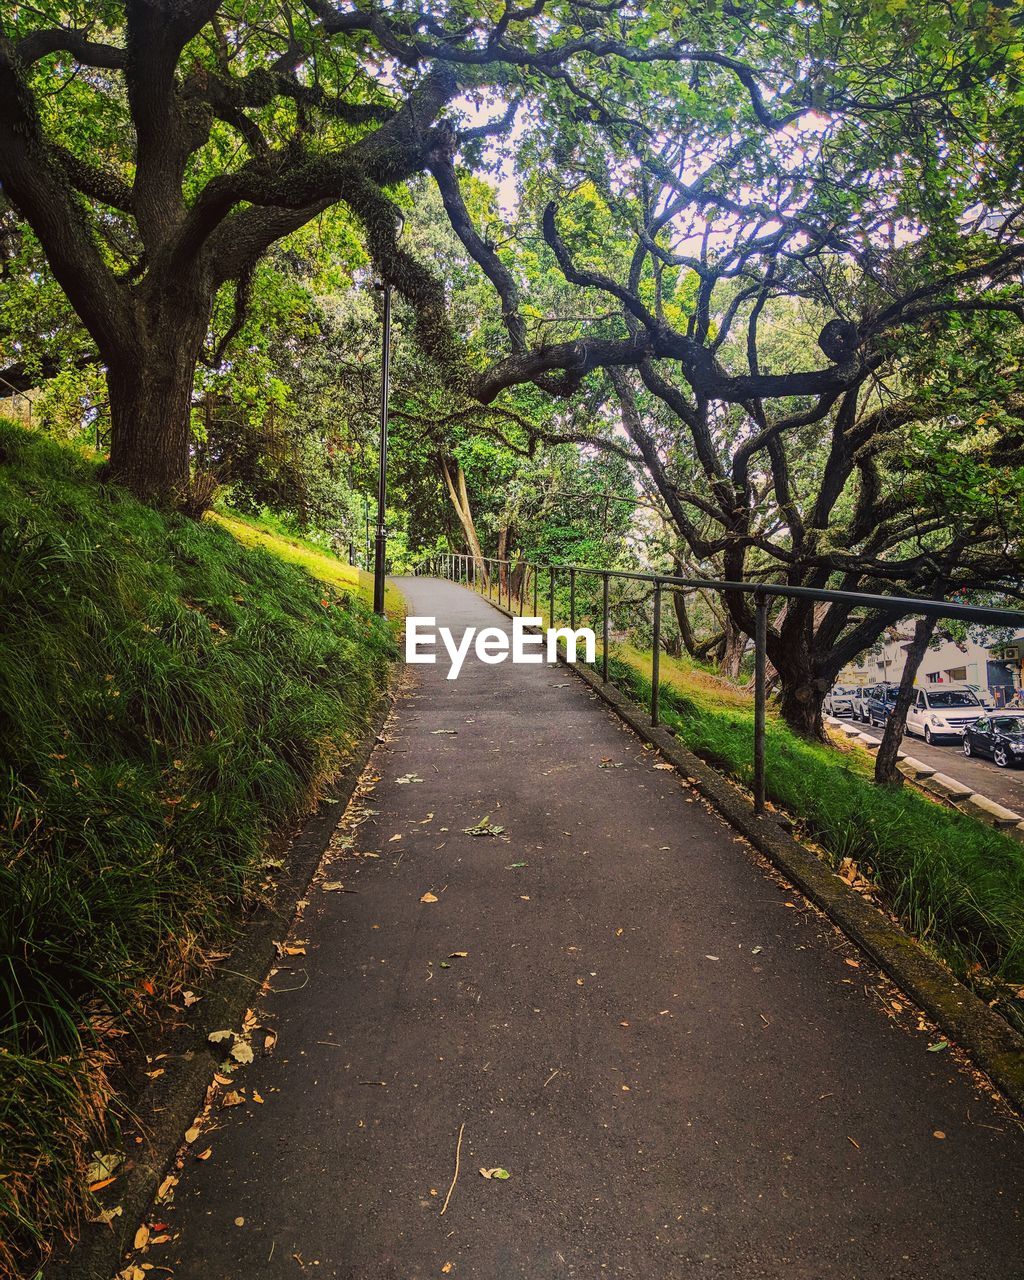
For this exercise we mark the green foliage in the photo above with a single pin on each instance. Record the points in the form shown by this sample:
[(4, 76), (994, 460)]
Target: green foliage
[(172, 699)]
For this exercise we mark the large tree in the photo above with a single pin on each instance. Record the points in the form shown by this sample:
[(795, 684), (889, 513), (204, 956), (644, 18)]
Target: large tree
[(891, 219), (158, 148)]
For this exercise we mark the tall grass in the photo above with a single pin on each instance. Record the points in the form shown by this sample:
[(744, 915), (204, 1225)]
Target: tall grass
[(956, 884), (169, 699)]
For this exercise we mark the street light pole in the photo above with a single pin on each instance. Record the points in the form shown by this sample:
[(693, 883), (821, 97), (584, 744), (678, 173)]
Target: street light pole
[(380, 550)]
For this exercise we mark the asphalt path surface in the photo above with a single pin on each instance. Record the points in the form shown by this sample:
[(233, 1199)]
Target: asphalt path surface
[(685, 1070), (1005, 786)]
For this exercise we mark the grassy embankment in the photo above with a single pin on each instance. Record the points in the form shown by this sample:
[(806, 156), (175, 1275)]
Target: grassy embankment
[(955, 883), (169, 701), (252, 533)]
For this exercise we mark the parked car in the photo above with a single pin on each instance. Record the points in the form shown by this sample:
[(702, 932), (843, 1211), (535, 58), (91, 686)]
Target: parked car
[(859, 702), (1000, 737), (983, 696), (942, 713), (879, 703), (839, 701)]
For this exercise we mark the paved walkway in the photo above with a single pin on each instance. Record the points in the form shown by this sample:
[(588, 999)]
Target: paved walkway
[(681, 1066)]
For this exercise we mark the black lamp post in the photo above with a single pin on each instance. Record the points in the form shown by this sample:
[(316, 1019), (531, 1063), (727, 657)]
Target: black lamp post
[(381, 545), (380, 548)]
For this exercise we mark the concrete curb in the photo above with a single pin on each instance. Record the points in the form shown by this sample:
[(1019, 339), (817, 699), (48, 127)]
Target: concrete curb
[(970, 802), (991, 1042), (995, 1047), (168, 1105)]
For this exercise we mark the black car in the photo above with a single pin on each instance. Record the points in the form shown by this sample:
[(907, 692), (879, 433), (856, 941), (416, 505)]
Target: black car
[(1000, 737), (879, 702)]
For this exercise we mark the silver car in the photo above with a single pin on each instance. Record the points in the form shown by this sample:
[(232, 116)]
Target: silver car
[(839, 701)]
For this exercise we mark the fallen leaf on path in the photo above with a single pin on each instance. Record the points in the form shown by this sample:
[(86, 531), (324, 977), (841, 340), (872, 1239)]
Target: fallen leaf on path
[(409, 777), (239, 1222), (101, 1168), (938, 1134), (333, 886), (242, 1052), (854, 964), (485, 827), (458, 955), (222, 1080), (141, 1238), (450, 732), (166, 1187), (938, 1046), (290, 948), (429, 897), (218, 1037), (189, 998), (257, 1097), (205, 1155), (105, 1217), (193, 1133), (712, 957), (232, 1099), (499, 1173), (269, 1042), (512, 866), (446, 1269)]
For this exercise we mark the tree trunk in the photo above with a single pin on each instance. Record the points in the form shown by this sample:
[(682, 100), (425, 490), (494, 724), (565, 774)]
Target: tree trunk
[(683, 621), (734, 645), (802, 686), (151, 411), (460, 501), (800, 705), (504, 538), (886, 772), (520, 576)]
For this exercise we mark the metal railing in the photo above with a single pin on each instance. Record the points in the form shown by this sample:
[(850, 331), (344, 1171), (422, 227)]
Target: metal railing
[(17, 398), (462, 568)]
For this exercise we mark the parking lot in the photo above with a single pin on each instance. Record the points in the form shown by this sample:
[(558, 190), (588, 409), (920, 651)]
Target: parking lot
[(1005, 786)]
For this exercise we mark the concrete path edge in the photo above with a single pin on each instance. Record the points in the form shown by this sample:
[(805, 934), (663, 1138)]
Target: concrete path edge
[(168, 1106), (993, 1045)]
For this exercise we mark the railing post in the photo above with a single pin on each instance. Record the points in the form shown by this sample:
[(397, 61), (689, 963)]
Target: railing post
[(656, 655), (572, 599), (760, 661), (551, 596), (536, 579), (604, 650)]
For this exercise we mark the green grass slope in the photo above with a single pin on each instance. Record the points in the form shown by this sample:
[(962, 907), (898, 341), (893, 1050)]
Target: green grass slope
[(252, 533), (169, 700)]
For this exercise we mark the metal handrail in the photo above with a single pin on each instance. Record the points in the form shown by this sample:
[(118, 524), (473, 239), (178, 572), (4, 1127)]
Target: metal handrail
[(16, 392), (459, 566)]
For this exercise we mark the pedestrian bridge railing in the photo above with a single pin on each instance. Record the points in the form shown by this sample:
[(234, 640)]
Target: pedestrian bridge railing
[(494, 578)]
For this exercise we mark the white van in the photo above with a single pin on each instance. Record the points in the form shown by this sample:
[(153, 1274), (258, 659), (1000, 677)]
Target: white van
[(943, 711)]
